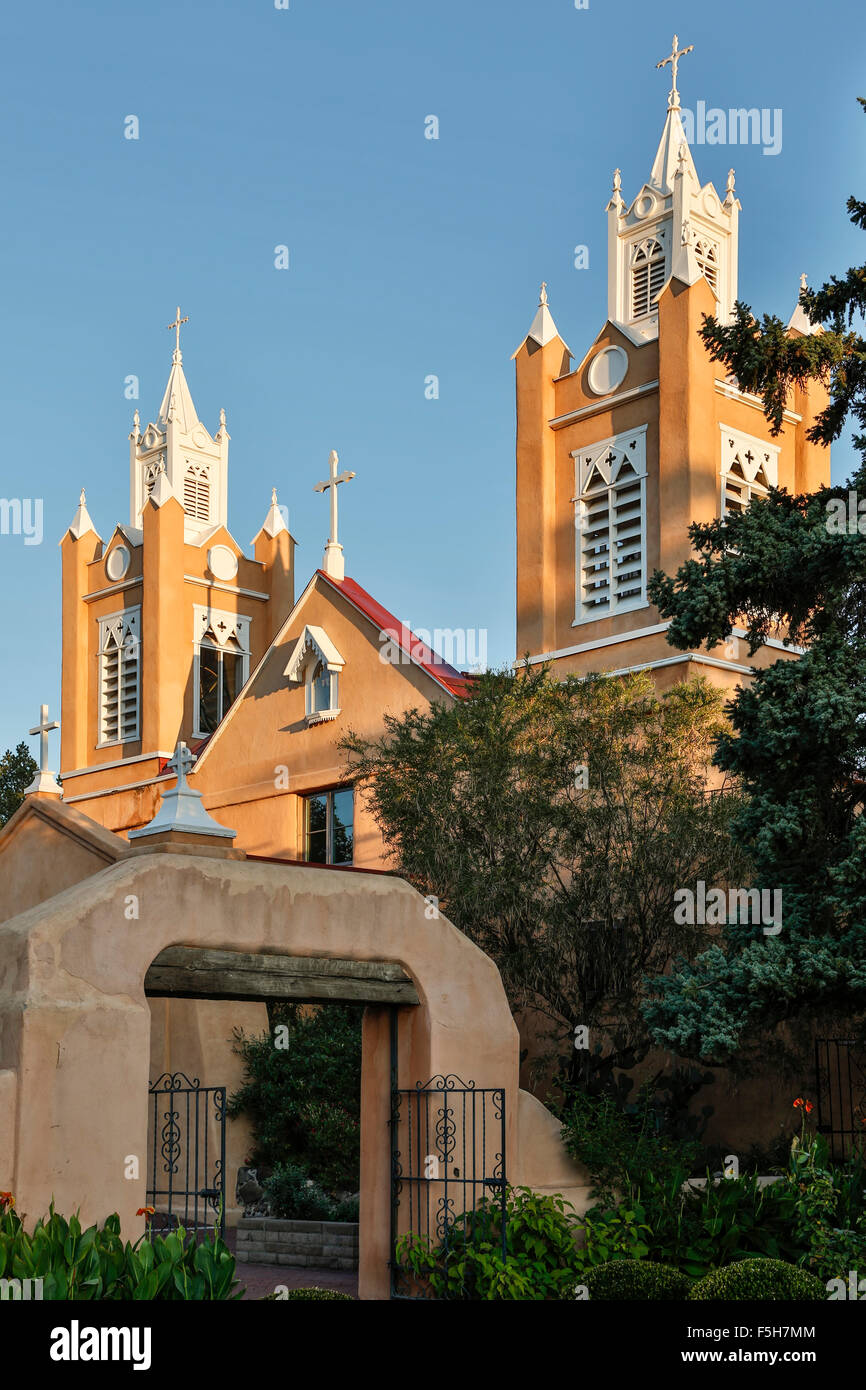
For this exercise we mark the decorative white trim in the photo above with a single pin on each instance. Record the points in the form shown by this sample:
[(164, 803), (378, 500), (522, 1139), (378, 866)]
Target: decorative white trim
[(111, 589), (123, 628), (633, 636), (312, 641), (699, 657), (110, 791), (224, 626), (322, 716), (226, 588), (559, 421), (606, 461), (754, 456), (630, 636), (117, 762), (727, 388)]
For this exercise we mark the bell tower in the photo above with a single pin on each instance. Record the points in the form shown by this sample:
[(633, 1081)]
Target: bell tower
[(673, 227), (178, 444), (163, 623)]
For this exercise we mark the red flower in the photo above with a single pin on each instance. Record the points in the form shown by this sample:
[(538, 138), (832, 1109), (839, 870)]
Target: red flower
[(145, 1211), (798, 1102), (809, 1107), (6, 1200)]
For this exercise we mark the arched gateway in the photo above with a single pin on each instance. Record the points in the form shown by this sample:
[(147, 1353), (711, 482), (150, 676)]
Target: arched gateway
[(77, 966)]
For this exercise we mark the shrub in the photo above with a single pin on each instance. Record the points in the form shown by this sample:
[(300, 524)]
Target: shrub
[(541, 1261), (96, 1264), (621, 1148), (293, 1197), (304, 1101), (348, 1210), (635, 1279), (767, 1280)]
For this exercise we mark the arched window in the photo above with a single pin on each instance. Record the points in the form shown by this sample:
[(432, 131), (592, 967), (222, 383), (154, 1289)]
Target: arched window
[(221, 665), (196, 492), (707, 256), (647, 277), (119, 682)]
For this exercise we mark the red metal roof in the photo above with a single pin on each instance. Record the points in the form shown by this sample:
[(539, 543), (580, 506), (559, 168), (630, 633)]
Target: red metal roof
[(456, 682)]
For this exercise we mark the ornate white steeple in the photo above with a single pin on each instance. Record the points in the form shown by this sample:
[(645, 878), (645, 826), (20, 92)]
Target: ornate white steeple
[(673, 228), (195, 464)]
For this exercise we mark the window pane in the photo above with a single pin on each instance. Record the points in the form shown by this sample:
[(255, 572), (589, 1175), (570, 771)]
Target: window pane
[(208, 686), (342, 836), (316, 829), (231, 684), (321, 690)]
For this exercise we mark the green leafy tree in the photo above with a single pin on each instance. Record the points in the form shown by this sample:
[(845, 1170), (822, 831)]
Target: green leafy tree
[(17, 770), (797, 743), (304, 1099), (553, 821)]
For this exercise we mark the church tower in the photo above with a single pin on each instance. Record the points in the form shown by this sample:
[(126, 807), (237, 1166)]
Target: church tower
[(162, 623), (618, 455)]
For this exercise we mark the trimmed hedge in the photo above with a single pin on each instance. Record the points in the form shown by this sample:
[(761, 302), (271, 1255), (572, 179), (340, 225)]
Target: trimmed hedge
[(635, 1279), (768, 1280)]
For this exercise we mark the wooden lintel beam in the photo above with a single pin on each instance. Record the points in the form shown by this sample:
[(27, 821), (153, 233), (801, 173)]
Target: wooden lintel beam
[(192, 972)]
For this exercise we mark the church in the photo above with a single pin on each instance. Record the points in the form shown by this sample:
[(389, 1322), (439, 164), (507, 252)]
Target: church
[(174, 636)]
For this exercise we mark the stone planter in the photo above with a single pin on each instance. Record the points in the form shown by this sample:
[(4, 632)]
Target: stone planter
[(265, 1240)]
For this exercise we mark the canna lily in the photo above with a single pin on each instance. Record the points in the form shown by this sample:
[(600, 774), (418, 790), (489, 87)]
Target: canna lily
[(145, 1211)]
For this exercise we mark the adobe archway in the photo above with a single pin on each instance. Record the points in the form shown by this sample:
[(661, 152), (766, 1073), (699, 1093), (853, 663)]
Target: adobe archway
[(75, 1021)]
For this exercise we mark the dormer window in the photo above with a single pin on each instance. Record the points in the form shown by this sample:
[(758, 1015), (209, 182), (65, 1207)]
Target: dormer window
[(316, 662), (647, 277), (707, 257)]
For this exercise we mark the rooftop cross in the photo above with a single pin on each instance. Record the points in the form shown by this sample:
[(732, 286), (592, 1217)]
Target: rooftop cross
[(182, 762), (332, 482), (43, 729), (674, 59), (176, 326)]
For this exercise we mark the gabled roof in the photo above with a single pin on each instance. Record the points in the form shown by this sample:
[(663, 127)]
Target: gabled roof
[(455, 682)]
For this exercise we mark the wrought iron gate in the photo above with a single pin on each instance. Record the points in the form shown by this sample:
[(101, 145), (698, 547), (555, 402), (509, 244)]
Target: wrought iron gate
[(447, 1156), (187, 1154), (840, 1074)]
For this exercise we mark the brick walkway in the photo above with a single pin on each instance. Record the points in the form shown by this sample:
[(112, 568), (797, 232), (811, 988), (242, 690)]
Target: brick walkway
[(259, 1280)]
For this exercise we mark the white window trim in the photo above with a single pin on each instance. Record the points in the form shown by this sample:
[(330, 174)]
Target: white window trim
[(314, 646), (224, 626), (124, 617), (651, 260), (586, 460), (732, 442)]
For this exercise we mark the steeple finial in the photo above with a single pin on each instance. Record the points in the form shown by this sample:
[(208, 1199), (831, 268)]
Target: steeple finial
[(674, 59), (176, 356), (617, 180), (542, 297), (803, 281)]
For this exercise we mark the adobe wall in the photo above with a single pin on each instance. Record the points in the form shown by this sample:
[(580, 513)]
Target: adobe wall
[(75, 1024)]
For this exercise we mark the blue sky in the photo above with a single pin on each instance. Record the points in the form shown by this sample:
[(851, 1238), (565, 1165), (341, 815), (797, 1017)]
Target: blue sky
[(409, 257)]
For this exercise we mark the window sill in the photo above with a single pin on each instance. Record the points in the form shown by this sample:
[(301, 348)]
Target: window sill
[(321, 716)]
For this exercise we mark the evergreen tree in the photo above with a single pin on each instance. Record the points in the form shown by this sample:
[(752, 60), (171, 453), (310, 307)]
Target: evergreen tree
[(17, 770), (793, 568)]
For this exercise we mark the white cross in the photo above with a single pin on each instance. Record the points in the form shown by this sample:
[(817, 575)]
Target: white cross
[(674, 59), (181, 764), (177, 323), (43, 729), (333, 460)]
